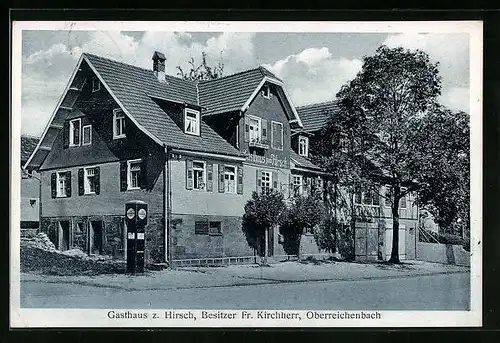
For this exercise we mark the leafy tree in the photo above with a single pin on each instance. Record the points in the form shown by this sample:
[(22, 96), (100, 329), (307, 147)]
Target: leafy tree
[(444, 175), (202, 71), (378, 112), (305, 212), (262, 212)]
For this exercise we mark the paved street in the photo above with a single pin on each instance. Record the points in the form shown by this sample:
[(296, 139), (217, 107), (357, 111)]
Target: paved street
[(443, 291)]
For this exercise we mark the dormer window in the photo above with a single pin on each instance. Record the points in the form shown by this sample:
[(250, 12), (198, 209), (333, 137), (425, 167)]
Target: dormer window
[(192, 122), (96, 84), (266, 92), (75, 126), (118, 124), (303, 146)]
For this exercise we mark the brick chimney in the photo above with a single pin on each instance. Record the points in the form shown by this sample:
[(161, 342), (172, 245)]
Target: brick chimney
[(159, 65)]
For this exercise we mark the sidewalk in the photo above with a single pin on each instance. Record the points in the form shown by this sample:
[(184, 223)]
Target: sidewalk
[(239, 275)]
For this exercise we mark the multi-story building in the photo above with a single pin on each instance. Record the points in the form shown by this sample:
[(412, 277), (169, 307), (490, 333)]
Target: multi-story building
[(373, 238), (193, 151)]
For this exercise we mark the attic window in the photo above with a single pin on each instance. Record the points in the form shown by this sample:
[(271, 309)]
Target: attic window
[(303, 146), (266, 92), (192, 121), (96, 84), (118, 124)]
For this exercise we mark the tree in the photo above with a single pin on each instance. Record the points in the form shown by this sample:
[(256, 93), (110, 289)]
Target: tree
[(378, 112), (444, 175), (203, 71), (262, 212), (305, 212)]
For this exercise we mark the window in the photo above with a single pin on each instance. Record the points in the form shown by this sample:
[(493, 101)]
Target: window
[(74, 132), (388, 196), (402, 201), (96, 84), (201, 228), (87, 134), (134, 174), (277, 135), (62, 184), (303, 146), (297, 185), (118, 124), (198, 175), (265, 180), (229, 179), (266, 92), (371, 197), (90, 180), (192, 121), (254, 129), (215, 228)]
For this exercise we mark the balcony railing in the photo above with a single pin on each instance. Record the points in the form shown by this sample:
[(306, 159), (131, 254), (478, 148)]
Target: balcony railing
[(256, 143)]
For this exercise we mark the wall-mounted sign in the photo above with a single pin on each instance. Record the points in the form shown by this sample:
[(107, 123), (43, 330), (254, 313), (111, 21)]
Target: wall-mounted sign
[(272, 160), (142, 213), (130, 213)]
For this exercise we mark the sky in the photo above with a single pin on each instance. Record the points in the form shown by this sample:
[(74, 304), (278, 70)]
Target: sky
[(313, 66)]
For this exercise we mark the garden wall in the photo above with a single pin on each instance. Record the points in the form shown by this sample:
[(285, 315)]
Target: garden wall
[(443, 253)]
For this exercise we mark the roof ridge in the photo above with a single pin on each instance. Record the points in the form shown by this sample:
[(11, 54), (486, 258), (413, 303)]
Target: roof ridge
[(318, 103), (231, 75)]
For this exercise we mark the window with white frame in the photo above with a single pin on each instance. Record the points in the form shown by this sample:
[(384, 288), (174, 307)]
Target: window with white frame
[(303, 146), (118, 124), (266, 180), (266, 92), (87, 134), (277, 135), (192, 121), (297, 185), (230, 179), (370, 197), (90, 181), (402, 201), (62, 179), (199, 175), (96, 84), (75, 127), (254, 129), (134, 174)]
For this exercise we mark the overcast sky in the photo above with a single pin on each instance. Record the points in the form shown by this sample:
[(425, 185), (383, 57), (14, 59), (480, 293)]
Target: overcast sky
[(313, 65)]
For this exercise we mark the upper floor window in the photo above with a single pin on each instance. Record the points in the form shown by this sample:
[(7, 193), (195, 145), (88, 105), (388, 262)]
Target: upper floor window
[(277, 135), (192, 121), (75, 132), (303, 146), (266, 92), (96, 84), (230, 179), (367, 197), (90, 180), (63, 184), (254, 129), (87, 135), (388, 197), (134, 174), (118, 124), (297, 185), (198, 175)]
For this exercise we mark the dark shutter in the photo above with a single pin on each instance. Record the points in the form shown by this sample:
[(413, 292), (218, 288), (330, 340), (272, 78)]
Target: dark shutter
[(258, 180), (275, 180), (268, 125), (68, 184), (66, 134), (123, 176), (81, 188), (247, 130), (265, 131), (53, 185), (143, 182), (240, 180), (189, 174), (221, 178), (97, 180), (210, 177)]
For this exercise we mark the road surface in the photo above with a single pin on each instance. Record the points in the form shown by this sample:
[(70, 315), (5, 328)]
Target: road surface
[(431, 292)]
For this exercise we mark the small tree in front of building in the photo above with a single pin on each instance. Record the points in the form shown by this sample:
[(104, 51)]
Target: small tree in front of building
[(262, 212)]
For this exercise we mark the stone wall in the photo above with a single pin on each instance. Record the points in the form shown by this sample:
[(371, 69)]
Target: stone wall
[(443, 253)]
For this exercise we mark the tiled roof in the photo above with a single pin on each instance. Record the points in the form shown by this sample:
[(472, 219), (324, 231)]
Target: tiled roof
[(302, 161), (134, 87), (315, 116), (229, 93), (28, 145)]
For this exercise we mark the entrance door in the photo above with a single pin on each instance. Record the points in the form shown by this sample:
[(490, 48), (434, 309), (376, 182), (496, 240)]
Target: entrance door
[(401, 242), (96, 237), (64, 235)]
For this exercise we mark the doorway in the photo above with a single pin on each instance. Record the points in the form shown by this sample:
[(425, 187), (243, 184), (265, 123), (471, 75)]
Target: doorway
[(64, 235), (96, 237)]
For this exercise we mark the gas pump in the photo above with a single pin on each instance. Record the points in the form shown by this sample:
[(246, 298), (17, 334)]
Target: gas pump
[(136, 212)]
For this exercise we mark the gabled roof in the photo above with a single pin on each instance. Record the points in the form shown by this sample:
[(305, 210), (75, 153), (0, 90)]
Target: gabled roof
[(302, 161), (315, 116), (28, 145)]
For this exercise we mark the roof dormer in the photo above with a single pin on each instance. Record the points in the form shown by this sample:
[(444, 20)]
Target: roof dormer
[(192, 121)]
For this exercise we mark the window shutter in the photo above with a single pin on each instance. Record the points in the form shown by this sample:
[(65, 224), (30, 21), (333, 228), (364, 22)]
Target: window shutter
[(81, 188), (221, 178), (240, 180), (189, 174), (265, 131), (53, 184), (123, 176), (259, 180), (247, 130), (268, 126), (275, 180), (66, 135), (210, 177), (97, 180), (143, 174), (68, 184)]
